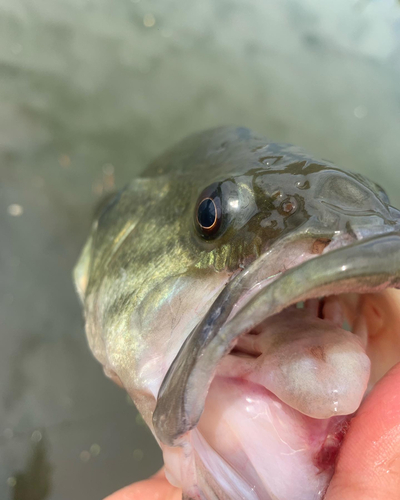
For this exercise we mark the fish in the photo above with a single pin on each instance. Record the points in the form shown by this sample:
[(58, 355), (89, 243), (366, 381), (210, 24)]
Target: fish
[(242, 292)]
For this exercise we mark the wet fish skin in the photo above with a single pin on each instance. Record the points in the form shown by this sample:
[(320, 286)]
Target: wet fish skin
[(160, 204), (147, 277)]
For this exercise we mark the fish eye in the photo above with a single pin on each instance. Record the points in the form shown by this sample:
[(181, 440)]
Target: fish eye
[(208, 216)]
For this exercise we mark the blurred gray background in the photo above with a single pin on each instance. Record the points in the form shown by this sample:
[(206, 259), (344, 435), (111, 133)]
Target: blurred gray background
[(90, 91)]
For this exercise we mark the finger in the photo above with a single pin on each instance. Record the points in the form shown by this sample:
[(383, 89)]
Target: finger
[(368, 467), (155, 488)]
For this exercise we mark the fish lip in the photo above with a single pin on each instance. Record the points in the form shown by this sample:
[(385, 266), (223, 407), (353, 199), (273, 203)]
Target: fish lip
[(179, 405)]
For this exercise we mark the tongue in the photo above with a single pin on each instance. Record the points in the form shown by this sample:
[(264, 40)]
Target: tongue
[(311, 364)]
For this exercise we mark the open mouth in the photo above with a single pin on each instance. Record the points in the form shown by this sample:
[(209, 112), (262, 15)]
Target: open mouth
[(277, 380), (292, 384), (306, 357)]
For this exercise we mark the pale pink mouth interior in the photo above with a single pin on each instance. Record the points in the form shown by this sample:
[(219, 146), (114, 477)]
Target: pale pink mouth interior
[(277, 451), (280, 403)]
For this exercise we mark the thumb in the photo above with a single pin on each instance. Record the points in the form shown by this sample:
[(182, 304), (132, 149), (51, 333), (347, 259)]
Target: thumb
[(155, 488), (368, 466)]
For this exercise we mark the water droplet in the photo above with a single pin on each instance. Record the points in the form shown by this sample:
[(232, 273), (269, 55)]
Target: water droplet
[(276, 194), (95, 450), (11, 481), (15, 210), (302, 184), (36, 436), (267, 160), (149, 20)]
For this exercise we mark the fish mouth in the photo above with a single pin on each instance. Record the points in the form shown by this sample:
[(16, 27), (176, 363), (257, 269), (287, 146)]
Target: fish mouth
[(282, 350), (290, 386)]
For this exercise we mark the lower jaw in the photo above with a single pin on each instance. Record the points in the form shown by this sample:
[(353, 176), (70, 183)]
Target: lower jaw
[(254, 446)]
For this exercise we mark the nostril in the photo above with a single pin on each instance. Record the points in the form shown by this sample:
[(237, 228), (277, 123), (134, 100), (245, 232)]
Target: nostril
[(288, 206)]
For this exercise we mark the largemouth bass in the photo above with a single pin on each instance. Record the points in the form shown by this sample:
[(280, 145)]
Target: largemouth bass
[(242, 292)]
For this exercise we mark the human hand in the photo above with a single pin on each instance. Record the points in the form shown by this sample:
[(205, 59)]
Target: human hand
[(155, 488), (368, 466)]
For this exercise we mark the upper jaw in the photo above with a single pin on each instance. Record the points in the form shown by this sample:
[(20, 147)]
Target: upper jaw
[(357, 267)]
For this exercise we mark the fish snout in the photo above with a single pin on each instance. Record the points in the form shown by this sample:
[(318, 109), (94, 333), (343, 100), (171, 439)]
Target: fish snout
[(344, 226), (352, 207)]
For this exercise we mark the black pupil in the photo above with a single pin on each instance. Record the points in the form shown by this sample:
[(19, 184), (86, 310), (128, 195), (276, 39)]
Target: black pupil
[(206, 214)]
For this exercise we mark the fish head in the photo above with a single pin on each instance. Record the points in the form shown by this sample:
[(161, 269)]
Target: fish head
[(216, 288)]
